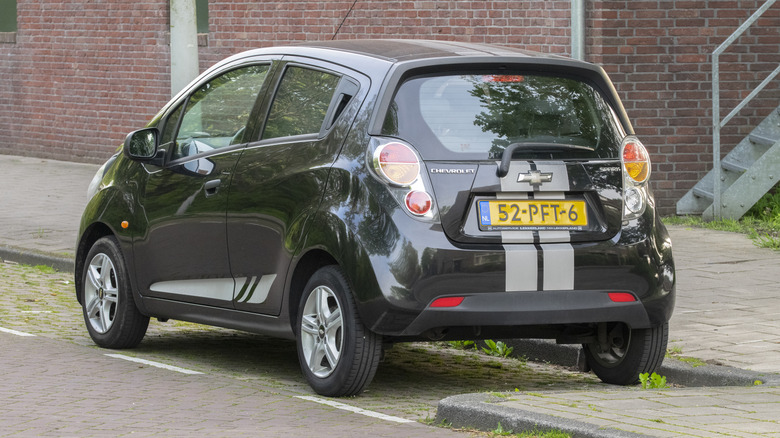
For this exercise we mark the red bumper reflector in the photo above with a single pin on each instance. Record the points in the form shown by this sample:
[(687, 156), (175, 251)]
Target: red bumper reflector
[(447, 302), (621, 297)]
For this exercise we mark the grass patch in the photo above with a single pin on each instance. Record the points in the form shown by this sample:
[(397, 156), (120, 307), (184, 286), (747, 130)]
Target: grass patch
[(692, 361)]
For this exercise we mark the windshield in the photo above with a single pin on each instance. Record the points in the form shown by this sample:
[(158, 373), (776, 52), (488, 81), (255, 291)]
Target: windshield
[(478, 116)]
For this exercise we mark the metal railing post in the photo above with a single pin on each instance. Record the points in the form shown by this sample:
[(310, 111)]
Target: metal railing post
[(716, 167)]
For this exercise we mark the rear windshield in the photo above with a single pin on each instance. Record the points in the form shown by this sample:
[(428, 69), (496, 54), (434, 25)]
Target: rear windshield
[(471, 117)]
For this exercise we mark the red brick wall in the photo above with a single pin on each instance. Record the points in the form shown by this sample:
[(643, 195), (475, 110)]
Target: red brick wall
[(83, 74), (80, 76)]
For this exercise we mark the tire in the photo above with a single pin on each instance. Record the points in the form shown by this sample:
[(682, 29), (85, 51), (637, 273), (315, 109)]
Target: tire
[(337, 352), (624, 353), (111, 316)]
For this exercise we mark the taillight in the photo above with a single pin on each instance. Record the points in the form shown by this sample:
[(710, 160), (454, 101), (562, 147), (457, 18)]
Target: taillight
[(636, 161), (636, 171), (397, 163), (419, 203)]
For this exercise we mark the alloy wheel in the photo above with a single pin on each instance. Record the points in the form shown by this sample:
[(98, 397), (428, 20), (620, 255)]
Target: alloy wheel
[(101, 293), (322, 328)]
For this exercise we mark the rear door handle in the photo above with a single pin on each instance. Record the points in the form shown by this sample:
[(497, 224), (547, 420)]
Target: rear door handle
[(212, 187)]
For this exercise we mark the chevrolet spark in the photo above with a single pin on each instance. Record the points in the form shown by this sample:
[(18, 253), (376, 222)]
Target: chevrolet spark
[(352, 194)]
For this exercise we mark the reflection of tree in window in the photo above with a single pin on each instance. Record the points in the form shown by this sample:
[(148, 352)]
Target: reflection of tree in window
[(301, 103), (221, 107), (537, 109), (217, 113)]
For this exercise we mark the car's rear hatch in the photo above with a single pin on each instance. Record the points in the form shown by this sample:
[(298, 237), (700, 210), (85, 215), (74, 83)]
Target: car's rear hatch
[(515, 158)]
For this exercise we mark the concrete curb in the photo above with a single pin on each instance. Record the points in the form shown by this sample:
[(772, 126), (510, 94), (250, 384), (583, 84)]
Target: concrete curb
[(484, 412), (676, 371), (28, 257)]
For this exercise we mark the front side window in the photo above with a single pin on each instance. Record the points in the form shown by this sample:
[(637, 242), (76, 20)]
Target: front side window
[(216, 115), (480, 115), (301, 103)]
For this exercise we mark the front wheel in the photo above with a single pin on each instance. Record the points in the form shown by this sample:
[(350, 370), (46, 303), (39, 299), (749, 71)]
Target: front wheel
[(112, 319), (620, 354), (337, 352)]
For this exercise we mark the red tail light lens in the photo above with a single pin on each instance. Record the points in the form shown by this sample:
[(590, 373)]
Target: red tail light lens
[(621, 297), (418, 203), (397, 163), (447, 302), (636, 160)]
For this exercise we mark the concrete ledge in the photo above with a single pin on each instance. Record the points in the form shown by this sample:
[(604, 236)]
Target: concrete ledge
[(484, 412), (677, 372), (27, 257)]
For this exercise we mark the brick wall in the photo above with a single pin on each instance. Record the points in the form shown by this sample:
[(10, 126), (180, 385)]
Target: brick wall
[(82, 74)]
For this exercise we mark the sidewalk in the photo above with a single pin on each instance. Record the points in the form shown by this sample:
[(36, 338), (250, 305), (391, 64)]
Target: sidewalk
[(727, 313), (42, 202)]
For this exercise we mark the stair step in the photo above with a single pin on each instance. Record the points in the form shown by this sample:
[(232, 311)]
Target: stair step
[(703, 193), (733, 165), (763, 140)]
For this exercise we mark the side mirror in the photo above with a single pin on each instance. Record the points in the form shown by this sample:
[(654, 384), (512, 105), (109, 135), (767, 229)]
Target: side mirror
[(142, 145)]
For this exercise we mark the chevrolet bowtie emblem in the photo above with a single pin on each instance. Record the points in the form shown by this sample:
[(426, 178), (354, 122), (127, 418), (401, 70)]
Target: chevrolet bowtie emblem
[(534, 177)]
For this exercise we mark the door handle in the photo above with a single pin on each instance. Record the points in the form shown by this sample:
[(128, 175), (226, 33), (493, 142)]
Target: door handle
[(212, 187)]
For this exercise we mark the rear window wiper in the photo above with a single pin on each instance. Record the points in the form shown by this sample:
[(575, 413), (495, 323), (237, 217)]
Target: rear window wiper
[(506, 157)]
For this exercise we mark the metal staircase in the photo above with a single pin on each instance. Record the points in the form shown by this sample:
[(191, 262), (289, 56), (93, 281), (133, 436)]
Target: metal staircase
[(752, 168)]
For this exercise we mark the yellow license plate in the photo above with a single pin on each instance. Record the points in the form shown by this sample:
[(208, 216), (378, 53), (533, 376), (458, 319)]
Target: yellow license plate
[(532, 214)]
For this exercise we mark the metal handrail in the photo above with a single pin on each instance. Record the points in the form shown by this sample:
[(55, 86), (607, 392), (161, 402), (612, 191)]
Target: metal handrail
[(717, 122)]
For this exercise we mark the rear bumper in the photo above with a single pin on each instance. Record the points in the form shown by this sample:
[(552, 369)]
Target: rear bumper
[(639, 263), (530, 308)]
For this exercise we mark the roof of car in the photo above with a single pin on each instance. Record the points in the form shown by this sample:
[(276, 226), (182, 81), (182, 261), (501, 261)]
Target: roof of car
[(408, 51), (400, 50)]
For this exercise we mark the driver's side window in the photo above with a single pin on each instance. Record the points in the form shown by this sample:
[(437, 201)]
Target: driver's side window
[(217, 113)]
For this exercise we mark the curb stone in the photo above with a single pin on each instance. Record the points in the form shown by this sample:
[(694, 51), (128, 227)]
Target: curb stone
[(484, 412), (33, 258), (676, 371)]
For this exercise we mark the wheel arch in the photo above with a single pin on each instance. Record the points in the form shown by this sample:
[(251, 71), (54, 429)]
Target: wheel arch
[(108, 207), (310, 263), (330, 240), (92, 234)]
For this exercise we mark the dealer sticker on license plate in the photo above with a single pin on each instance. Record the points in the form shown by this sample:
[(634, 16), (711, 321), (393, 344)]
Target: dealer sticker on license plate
[(532, 214)]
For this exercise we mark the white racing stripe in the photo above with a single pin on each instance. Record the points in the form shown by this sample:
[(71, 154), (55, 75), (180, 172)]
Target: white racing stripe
[(14, 332), (349, 408), (153, 364), (558, 266), (214, 288), (522, 268)]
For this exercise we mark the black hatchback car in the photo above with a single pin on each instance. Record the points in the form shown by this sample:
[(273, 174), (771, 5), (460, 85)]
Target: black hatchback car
[(351, 194)]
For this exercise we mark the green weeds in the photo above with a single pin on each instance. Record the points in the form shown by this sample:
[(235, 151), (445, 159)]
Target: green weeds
[(653, 381), (498, 349)]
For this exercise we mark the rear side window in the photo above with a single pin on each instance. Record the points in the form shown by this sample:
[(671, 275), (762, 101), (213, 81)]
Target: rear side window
[(478, 116), (301, 103)]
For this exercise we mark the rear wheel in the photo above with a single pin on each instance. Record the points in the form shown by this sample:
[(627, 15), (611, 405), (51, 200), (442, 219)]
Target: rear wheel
[(112, 319), (337, 353), (620, 354)]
